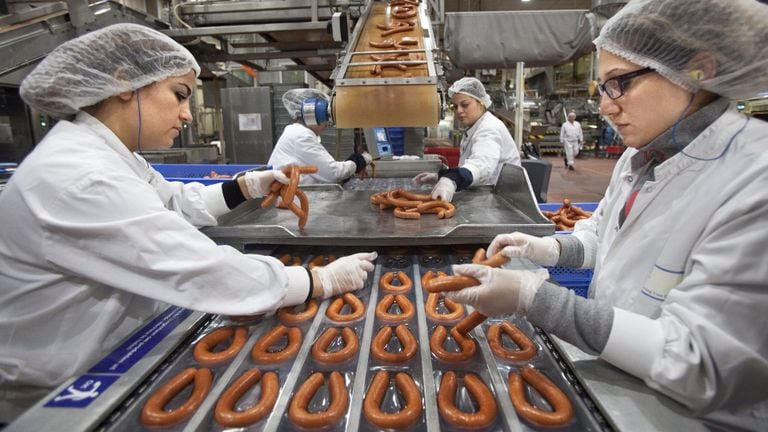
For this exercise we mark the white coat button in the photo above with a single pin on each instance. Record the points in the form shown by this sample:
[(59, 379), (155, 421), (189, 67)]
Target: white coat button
[(629, 179), (649, 189)]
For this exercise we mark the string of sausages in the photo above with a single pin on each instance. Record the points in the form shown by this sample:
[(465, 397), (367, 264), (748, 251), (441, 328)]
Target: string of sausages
[(400, 13), (567, 215), (410, 205), (291, 191)]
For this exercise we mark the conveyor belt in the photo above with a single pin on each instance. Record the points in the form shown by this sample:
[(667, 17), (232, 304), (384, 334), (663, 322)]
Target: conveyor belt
[(425, 369)]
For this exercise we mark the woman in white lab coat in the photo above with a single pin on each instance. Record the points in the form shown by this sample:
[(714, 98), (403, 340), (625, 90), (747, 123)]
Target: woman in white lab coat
[(300, 143), (485, 148), (94, 241), (680, 288)]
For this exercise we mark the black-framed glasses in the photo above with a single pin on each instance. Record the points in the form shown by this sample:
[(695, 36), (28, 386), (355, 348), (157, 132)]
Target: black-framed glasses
[(614, 87)]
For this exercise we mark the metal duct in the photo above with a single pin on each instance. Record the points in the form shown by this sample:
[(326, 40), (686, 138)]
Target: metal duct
[(486, 40)]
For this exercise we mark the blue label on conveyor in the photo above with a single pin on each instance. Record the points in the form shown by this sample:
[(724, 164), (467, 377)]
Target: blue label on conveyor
[(82, 392), (138, 345)]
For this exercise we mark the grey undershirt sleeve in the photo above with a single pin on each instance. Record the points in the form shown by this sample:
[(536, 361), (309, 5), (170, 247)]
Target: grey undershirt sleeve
[(585, 323), (571, 251)]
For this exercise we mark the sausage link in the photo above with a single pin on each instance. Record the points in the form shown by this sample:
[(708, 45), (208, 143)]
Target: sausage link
[(293, 184), (287, 259), (466, 345), (385, 282), (225, 413), (469, 322), (526, 347), (486, 413), (320, 347), (298, 411), (394, 197), (406, 308), (413, 196), (399, 420), (321, 260), (450, 283), (154, 413), (407, 341), (334, 309), (386, 43), (497, 260), (260, 353), (405, 214), (287, 315), (562, 408), (428, 276), (455, 310), (203, 351)]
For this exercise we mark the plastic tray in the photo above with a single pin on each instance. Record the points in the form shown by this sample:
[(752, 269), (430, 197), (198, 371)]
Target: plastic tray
[(577, 280), (188, 173)]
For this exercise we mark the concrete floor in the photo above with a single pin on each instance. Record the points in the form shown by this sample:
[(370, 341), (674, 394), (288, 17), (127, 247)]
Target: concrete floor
[(587, 183)]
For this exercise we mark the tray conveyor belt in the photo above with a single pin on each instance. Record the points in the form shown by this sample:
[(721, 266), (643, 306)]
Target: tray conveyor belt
[(124, 410)]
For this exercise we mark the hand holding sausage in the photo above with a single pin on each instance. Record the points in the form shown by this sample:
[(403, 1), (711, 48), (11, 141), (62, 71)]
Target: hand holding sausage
[(345, 274), (259, 183), (541, 250), (444, 189), (500, 291)]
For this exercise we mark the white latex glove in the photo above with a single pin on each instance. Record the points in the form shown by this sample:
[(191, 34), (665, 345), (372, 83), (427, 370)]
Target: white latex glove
[(541, 250), (345, 274), (444, 189), (259, 182), (368, 158), (425, 177), (500, 291)]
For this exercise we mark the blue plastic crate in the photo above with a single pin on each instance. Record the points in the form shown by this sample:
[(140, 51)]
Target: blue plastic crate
[(577, 280), (588, 206), (189, 173)]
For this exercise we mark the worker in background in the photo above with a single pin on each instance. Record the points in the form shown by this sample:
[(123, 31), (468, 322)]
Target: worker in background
[(95, 242), (485, 147), (300, 144), (571, 139), (680, 288)]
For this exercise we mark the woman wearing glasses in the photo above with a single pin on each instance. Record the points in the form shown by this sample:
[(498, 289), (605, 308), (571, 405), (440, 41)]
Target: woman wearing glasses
[(680, 288)]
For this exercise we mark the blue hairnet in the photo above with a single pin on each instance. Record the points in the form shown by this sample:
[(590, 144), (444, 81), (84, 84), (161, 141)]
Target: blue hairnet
[(91, 68), (673, 36)]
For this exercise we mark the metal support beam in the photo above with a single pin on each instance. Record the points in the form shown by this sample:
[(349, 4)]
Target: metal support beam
[(243, 29), (216, 57), (519, 88)]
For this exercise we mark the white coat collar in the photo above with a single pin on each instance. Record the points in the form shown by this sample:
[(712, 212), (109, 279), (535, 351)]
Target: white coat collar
[(137, 163)]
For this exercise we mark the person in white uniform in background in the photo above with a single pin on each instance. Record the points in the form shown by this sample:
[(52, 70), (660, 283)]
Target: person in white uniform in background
[(571, 139), (95, 242), (485, 147), (678, 243), (300, 145)]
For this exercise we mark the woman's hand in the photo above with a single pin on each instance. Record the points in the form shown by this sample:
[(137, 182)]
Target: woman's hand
[(541, 250), (258, 183), (425, 177), (500, 291), (346, 274)]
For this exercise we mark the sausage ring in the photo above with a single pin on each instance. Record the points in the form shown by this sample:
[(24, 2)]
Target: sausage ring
[(289, 191), (465, 343), (385, 282), (334, 309), (526, 347), (287, 316), (469, 322), (405, 417), (339, 401), (486, 413), (449, 283), (455, 310), (203, 349), (351, 346), (562, 409), (428, 276), (405, 305), (154, 413), (407, 340), (321, 260), (225, 413), (260, 353), (292, 260)]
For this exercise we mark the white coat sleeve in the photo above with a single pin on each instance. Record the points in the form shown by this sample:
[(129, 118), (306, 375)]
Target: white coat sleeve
[(197, 203), (113, 230), (562, 132), (708, 348), (329, 170), (486, 154), (581, 135)]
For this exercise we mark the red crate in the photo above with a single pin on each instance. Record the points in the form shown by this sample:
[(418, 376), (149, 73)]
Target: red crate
[(451, 154)]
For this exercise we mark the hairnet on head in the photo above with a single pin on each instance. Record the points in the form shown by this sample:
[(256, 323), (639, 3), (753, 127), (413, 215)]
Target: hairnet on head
[(91, 68), (293, 98), (471, 87), (673, 36)]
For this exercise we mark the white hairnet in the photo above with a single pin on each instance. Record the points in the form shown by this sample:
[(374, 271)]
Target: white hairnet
[(91, 68), (672, 36), (471, 87), (293, 98)]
